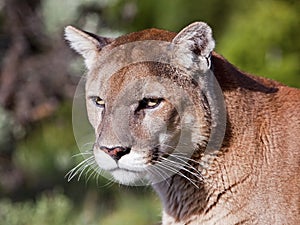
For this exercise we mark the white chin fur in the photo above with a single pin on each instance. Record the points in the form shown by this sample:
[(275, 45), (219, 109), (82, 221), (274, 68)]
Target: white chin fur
[(126, 177)]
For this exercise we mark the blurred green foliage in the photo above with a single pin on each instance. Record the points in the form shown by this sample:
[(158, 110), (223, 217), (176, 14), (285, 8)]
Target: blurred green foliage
[(264, 40), (258, 36), (52, 140), (56, 208)]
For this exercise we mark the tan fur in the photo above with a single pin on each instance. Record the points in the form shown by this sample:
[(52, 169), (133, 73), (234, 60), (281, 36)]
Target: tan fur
[(255, 178)]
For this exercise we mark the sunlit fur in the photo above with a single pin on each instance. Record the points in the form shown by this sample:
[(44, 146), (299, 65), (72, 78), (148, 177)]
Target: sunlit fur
[(253, 178)]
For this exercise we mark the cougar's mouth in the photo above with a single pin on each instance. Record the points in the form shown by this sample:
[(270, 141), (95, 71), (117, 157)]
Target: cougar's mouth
[(123, 169)]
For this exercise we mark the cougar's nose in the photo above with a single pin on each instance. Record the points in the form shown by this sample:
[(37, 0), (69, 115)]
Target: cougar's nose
[(116, 152)]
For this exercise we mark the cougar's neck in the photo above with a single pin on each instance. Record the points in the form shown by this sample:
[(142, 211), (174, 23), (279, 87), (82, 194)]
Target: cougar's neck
[(244, 95), (180, 198)]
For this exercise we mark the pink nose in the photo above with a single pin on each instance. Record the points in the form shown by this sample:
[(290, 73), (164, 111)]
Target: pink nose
[(116, 152)]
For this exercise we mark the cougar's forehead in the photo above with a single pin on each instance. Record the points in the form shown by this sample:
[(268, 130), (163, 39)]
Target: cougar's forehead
[(145, 35), (138, 77), (128, 77)]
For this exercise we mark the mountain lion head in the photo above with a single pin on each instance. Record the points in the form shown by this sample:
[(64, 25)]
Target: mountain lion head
[(147, 99)]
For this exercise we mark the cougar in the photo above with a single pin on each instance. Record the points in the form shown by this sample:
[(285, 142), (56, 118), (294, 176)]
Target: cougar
[(218, 145)]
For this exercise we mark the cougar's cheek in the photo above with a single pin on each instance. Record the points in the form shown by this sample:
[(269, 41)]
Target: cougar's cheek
[(134, 161), (103, 160)]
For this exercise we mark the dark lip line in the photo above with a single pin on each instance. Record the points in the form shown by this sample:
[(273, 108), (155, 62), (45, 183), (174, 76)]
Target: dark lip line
[(118, 168)]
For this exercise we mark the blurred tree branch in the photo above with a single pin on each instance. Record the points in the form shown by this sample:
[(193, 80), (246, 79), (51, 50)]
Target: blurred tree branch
[(34, 77)]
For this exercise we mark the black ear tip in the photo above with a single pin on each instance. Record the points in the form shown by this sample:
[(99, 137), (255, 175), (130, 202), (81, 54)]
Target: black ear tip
[(103, 41)]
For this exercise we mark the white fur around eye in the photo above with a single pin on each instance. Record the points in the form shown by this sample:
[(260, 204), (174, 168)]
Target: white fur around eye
[(99, 102), (94, 113)]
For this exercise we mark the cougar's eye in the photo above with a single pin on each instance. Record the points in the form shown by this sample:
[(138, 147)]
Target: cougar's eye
[(97, 101), (150, 103)]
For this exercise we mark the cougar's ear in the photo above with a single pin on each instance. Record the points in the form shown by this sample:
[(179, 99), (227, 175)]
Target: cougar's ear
[(196, 43), (85, 43)]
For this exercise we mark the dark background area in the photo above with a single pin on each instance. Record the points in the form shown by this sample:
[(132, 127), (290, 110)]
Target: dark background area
[(38, 78)]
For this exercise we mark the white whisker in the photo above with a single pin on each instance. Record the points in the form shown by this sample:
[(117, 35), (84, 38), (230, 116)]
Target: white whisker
[(83, 154), (181, 166), (185, 163), (84, 167), (171, 169), (159, 171), (94, 170), (183, 156), (73, 172)]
